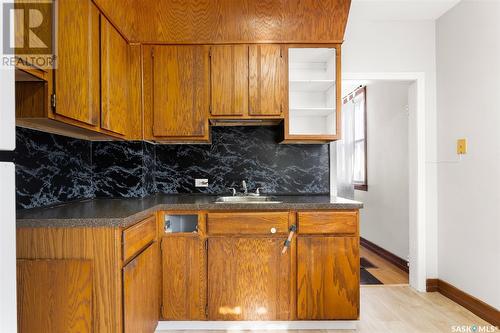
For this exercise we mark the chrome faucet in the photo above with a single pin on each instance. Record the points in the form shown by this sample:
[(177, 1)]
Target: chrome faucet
[(244, 186)]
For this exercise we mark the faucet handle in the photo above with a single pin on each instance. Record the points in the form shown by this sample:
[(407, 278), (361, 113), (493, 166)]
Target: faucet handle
[(233, 190), (257, 190)]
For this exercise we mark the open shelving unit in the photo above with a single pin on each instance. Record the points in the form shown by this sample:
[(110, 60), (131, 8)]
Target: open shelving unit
[(312, 91)]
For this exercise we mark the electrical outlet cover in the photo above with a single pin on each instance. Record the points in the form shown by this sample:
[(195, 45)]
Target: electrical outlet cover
[(201, 182), (462, 146)]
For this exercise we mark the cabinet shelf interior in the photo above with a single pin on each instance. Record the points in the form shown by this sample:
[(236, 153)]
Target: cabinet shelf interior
[(312, 91)]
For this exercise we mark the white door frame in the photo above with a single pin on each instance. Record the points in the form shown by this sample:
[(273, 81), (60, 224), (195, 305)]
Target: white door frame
[(417, 181)]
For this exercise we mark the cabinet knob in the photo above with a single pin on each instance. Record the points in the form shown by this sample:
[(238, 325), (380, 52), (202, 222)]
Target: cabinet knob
[(273, 230)]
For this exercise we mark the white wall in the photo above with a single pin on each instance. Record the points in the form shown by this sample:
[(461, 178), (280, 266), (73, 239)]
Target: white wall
[(385, 216), (8, 309), (401, 46), (468, 84)]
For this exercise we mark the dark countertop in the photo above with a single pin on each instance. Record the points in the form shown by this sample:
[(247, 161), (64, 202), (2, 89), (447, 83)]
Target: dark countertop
[(126, 212)]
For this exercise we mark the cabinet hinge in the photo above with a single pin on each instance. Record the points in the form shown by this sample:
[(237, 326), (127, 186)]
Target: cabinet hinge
[(152, 53), (206, 310), (53, 100), (281, 52), (210, 52)]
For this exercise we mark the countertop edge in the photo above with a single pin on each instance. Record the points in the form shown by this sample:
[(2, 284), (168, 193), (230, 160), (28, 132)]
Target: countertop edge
[(128, 221)]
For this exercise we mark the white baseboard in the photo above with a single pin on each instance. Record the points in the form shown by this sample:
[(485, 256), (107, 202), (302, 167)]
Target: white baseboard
[(257, 325)]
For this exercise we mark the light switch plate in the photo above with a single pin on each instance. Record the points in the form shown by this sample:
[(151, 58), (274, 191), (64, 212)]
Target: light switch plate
[(201, 182), (462, 146)]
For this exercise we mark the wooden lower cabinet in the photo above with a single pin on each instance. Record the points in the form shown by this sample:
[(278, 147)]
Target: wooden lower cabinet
[(327, 277), (184, 277), (248, 279), (82, 281), (54, 296), (140, 292), (232, 268)]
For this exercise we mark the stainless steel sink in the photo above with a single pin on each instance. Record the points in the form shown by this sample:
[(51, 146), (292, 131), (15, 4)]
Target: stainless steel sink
[(247, 199)]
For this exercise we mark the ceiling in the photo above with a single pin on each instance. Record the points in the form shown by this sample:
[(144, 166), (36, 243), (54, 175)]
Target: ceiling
[(401, 9)]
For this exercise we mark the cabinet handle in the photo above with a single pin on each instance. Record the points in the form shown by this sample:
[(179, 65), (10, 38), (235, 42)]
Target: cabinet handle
[(293, 229), (273, 230)]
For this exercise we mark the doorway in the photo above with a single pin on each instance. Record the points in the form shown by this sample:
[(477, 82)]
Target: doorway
[(416, 168)]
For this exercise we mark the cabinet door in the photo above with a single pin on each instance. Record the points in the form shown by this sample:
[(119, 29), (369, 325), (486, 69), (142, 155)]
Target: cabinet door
[(180, 91), (54, 296), (248, 279), (115, 66), (327, 278), (184, 278), (77, 73), (265, 86), (229, 80), (140, 292)]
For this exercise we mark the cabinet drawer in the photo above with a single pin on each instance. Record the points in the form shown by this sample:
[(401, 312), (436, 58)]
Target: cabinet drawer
[(138, 236), (265, 223), (328, 222)]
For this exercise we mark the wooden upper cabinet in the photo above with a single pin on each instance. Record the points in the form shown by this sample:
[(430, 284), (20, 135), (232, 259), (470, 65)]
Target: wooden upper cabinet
[(115, 80), (229, 80), (266, 80), (312, 102), (94, 92), (77, 73), (180, 92), (327, 278)]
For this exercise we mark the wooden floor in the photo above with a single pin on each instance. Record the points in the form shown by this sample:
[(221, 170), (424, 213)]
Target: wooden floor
[(386, 272), (400, 309)]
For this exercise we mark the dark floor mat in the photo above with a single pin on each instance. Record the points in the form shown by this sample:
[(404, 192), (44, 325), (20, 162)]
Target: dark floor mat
[(367, 278), (365, 263)]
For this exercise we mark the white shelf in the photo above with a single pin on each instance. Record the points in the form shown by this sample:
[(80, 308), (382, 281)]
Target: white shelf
[(311, 85), (312, 91), (304, 112)]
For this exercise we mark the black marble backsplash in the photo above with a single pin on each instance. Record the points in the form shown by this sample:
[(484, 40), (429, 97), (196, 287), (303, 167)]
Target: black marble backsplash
[(243, 153), (51, 169)]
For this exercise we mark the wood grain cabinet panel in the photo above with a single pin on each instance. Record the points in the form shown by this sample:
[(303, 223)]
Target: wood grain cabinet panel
[(263, 223), (184, 277), (314, 21), (140, 292), (54, 296), (138, 237), (339, 222), (327, 278), (180, 91), (102, 246), (115, 80), (230, 21), (248, 279), (266, 80), (229, 80), (77, 74)]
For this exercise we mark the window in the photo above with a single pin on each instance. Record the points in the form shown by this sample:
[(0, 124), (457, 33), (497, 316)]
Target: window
[(358, 97)]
